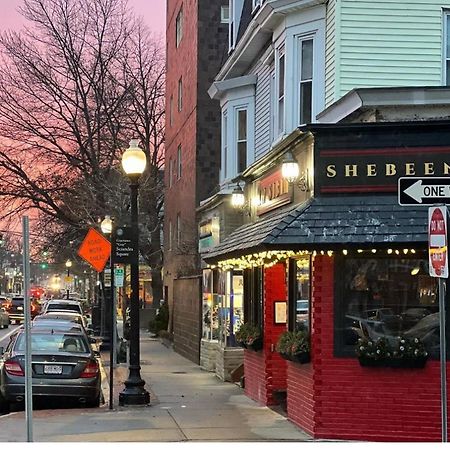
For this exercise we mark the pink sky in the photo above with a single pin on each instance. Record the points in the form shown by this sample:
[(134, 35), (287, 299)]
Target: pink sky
[(152, 11)]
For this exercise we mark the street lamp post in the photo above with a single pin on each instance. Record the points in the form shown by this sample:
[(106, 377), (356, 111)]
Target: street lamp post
[(68, 265), (133, 163)]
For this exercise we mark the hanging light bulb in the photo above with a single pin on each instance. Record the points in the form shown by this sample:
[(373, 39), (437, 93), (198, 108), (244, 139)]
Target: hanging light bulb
[(237, 197), (289, 168)]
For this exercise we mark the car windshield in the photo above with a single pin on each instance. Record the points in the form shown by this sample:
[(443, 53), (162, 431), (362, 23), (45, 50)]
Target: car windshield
[(53, 343), (63, 307)]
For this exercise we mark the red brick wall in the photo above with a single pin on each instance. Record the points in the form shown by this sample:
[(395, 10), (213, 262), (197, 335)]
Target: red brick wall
[(265, 371), (336, 398)]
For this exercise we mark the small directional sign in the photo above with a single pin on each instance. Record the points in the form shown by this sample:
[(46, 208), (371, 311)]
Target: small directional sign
[(414, 191)]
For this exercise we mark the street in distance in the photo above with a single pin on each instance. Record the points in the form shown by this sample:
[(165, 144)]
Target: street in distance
[(413, 191)]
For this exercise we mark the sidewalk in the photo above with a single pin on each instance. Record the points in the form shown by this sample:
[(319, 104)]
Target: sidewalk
[(187, 404)]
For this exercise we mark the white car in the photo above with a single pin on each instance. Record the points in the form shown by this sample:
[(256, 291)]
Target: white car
[(4, 318)]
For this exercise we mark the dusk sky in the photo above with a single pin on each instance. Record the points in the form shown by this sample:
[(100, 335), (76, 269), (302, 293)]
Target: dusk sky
[(153, 12)]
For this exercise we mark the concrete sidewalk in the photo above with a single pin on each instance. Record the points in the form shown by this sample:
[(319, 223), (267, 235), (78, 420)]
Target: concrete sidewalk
[(187, 404)]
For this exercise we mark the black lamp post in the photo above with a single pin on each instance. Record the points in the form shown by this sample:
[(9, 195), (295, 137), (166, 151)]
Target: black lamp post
[(68, 265), (133, 163)]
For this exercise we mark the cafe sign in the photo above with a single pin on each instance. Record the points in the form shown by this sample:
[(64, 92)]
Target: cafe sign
[(273, 191)]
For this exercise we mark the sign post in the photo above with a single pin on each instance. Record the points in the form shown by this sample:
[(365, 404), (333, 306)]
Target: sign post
[(438, 266)]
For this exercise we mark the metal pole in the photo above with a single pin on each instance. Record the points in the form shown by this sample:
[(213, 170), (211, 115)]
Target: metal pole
[(134, 392), (443, 357), (28, 349), (112, 347), (68, 288)]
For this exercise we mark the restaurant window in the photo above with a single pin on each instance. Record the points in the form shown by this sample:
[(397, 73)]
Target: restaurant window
[(385, 297), (210, 304), (253, 294), (231, 305), (299, 293)]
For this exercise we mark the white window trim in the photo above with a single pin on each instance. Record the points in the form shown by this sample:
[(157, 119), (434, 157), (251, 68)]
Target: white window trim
[(225, 141), (278, 130), (235, 12), (237, 140), (225, 18), (445, 58), (298, 44)]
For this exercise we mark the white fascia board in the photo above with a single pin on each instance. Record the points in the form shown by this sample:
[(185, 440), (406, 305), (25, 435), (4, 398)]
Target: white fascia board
[(384, 97), (219, 88)]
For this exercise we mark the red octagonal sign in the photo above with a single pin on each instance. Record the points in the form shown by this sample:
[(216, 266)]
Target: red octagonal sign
[(437, 241)]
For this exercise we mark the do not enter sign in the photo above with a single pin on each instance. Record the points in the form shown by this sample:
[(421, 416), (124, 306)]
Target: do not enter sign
[(437, 241)]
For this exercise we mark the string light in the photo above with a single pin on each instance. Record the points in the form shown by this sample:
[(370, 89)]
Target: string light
[(374, 250), (390, 251), (345, 252)]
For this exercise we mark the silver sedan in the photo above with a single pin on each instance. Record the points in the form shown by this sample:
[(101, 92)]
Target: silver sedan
[(4, 318)]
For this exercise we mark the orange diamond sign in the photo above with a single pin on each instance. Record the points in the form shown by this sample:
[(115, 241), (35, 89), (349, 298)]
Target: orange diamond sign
[(95, 249)]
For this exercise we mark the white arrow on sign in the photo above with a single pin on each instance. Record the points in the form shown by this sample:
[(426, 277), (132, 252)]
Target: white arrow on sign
[(418, 192)]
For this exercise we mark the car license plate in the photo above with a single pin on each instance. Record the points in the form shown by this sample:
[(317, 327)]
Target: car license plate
[(55, 370)]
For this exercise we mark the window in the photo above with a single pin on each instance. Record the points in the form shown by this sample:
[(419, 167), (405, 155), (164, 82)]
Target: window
[(447, 48), (305, 80), (178, 230), (224, 144), (179, 162), (170, 172), (253, 295), (280, 85), (180, 94), (299, 293), (171, 110), (170, 235), (225, 14), (179, 27), (385, 297), (241, 143)]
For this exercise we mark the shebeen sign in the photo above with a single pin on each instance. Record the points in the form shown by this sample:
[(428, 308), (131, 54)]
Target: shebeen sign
[(437, 241)]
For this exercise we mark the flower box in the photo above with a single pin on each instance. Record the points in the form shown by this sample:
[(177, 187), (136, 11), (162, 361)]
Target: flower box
[(399, 363), (256, 345), (301, 358)]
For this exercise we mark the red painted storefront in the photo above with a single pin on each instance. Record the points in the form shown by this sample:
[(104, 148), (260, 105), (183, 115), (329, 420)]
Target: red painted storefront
[(336, 398)]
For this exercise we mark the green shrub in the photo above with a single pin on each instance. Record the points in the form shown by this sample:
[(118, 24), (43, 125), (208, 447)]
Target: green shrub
[(293, 342), (161, 320)]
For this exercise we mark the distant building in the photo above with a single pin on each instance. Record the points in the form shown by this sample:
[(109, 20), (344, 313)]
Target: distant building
[(196, 49)]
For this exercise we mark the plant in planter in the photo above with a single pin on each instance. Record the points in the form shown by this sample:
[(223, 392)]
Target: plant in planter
[(294, 346), (405, 352), (249, 336)]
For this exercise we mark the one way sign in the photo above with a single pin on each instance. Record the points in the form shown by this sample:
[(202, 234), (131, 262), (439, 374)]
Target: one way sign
[(414, 191)]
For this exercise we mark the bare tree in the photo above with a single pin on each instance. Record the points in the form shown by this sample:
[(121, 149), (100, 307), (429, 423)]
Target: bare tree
[(75, 86)]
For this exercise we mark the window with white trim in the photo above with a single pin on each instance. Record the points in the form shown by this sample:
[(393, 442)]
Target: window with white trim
[(170, 172), (231, 26), (280, 89), (447, 48), (225, 14), (178, 230), (180, 94), (179, 162), (179, 27), (224, 158), (241, 141), (305, 79)]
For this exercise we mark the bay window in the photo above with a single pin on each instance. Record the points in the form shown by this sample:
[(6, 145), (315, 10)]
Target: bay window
[(305, 82), (241, 143), (280, 86)]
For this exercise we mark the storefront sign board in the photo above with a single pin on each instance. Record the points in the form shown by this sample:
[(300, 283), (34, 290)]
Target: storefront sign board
[(124, 251), (413, 191), (437, 241)]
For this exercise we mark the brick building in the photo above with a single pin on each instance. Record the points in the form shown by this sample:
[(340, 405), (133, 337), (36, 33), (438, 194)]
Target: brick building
[(196, 38)]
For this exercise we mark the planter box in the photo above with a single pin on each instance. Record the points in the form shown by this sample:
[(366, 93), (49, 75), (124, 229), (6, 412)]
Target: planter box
[(400, 363), (301, 358), (255, 346)]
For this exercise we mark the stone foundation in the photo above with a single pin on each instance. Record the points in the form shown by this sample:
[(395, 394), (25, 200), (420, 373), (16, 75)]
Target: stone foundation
[(208, 354), (227, 360)]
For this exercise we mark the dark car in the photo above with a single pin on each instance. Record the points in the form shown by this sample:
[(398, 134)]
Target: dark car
[(63, 363), (16, 309)]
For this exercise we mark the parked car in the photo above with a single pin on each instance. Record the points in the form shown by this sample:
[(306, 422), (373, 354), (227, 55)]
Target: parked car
[(64, 365), (70, 316), (62, 305), (4, 318), (16, 309)]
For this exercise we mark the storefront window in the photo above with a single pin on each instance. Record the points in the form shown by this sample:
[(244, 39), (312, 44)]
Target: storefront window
[(385, 297), (231, 312), (253, 293), (210, 305), (299, 298)]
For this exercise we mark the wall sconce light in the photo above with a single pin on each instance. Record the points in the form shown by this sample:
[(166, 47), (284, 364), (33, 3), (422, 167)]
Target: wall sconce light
[(238, 200), (290, 171)]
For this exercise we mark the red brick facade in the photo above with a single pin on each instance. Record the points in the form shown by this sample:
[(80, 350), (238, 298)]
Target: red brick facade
[(265, 371), (336, 398)]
